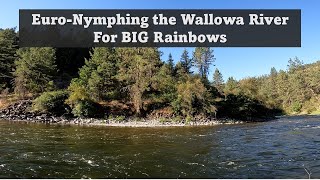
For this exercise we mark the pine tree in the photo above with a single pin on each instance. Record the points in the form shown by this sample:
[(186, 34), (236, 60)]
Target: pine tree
[(8, 49), (294, 64), (218, 81), (192, 97), (186, 61), (35, 70), (231, 87), (203, 57), (171, 64), (180, 73), (98, 75), (273, 72), (137, 68)]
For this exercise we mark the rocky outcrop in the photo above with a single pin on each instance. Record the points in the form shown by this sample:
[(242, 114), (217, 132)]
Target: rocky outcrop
[(21, 110)]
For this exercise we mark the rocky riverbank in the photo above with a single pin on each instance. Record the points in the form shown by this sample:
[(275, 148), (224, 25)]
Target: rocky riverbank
[(20, 111)]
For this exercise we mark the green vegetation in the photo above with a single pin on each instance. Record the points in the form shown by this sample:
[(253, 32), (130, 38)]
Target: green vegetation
[(294, 91), (87, 108), (8, 54), (51, 102), (121, 82), (35, 69)]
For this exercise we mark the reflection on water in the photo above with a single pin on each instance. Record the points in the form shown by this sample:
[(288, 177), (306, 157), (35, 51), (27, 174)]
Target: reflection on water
[(276, 149)]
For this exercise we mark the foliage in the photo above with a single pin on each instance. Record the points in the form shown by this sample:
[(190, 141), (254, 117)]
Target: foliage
[(231, 86), (163, 85), (186, 61), (78, 92), (191, 97), (243, 107), (171, 64), (296, 107), (35, 70), (294, 90), (98, 75), (120, 118), (137, 79), (203, 57), (137, 68), (51, 102), (218, 81), (8, 48), (87, 108)]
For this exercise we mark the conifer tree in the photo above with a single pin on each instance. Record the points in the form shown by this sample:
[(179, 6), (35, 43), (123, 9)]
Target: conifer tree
[(98, 75), (231, 86), (35, 70), (137, 68), (8, 48), (186, 61), (218, 80), (171, 64), (203, 57)]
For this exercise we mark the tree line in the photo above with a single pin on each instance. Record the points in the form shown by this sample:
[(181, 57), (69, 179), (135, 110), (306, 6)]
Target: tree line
[(97, 82)]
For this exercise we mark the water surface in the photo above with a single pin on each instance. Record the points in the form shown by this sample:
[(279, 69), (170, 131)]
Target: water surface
[(277, 149)]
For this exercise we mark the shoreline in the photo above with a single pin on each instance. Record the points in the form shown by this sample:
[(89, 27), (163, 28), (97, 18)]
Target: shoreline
[(19, 112), (129, 122)]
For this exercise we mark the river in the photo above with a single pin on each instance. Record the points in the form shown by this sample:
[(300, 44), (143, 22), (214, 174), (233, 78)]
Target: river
[(283, 148)]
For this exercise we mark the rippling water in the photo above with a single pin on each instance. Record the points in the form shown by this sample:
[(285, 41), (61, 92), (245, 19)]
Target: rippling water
[(277, 149)]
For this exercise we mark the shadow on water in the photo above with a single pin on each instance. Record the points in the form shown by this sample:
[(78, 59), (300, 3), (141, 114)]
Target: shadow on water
[(275, 149)]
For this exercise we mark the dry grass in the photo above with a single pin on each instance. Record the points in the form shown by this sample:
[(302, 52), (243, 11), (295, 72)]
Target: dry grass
[(7, 100), (117, 107)]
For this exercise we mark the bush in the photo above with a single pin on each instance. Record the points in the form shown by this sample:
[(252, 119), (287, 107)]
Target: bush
[(176, 119), (120, 118), (188, 119), (296, 107), (176, 105), (163, 120), (87, 108), (51, 102)]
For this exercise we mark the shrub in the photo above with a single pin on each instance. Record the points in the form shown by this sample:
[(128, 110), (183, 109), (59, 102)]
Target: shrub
[(120, 118), (176, 105), (188, 120), (87, 108), (296, 107), (163, 120), (51, 102), (176, 119)]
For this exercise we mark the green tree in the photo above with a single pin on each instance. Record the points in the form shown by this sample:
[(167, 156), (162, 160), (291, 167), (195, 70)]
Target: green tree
[(8, 49), (164, 86), (97, 81), (203, 57), (186, 61), (231, 87), (171, 64), (294, 64), (180, 73), (268, 89), (98, 74), (192, 98), (137, 68), (218, 82), (97, 78), (273, 72), (35, 70)]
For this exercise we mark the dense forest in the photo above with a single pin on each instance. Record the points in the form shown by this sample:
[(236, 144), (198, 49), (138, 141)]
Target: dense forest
[(103, 82)]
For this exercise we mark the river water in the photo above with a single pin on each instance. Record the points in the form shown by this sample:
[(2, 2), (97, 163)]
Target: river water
[(284, 148)]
